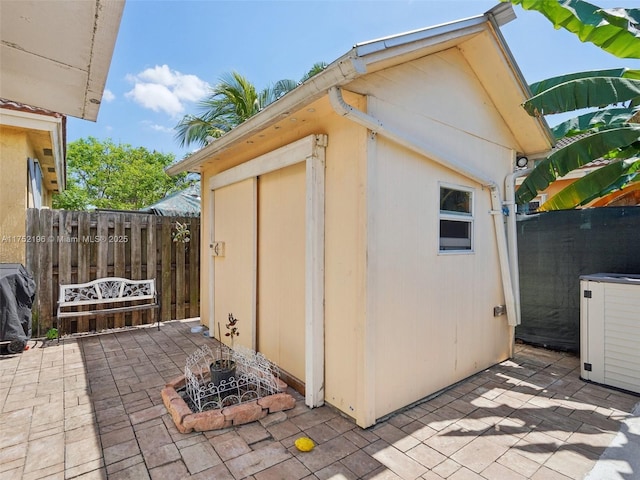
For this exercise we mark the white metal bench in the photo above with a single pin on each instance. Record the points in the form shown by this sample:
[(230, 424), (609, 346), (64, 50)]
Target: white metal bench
[(105, 296)]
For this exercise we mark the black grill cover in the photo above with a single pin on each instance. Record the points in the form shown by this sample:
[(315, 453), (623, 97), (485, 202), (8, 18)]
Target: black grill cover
[(17, 292)]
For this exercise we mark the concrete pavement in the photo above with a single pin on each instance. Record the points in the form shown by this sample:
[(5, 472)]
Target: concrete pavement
[(90, 408)]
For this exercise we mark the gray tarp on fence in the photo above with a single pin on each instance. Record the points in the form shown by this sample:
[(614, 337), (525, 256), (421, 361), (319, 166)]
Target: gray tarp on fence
[(185, 203), (554, 249)]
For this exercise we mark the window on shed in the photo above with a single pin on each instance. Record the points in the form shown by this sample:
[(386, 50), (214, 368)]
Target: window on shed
[(456, 219)]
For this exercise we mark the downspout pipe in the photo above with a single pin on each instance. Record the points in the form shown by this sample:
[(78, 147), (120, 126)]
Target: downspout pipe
[(512, 235), (358, 116)]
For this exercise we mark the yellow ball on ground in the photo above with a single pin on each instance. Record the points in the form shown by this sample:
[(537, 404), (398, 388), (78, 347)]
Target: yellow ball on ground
[(304, 444)]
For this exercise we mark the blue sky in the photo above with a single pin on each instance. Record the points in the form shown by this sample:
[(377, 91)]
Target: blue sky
[(169, 52)]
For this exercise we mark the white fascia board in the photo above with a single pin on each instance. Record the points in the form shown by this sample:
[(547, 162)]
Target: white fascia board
[(502, 13), (517, 73), (28, 120), (42, 123), (59, 160), (107, 21), (426, 37)]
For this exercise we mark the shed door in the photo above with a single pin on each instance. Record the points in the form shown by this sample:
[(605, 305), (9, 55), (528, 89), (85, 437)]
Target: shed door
[(234, 272), (281, 268), (269, 213)]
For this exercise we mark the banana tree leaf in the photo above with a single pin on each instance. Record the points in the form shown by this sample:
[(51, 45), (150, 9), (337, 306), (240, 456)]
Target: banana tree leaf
[(546, 84), (592, 24), (623, 182), (592, 120), (583, 93), (632, 150), (628, 19), (573, 156), (594, 185)]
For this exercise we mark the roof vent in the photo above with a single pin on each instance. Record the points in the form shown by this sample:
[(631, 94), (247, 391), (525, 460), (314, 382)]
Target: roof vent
[(47, 152), (51, 169)]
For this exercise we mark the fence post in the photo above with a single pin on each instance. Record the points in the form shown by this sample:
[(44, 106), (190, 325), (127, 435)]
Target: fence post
[(31, 260), (152, 259), (165, 262), (135, 259)]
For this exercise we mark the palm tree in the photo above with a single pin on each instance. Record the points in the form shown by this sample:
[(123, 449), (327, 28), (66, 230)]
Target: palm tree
[(232, 101), (612, 133), (314, 70)]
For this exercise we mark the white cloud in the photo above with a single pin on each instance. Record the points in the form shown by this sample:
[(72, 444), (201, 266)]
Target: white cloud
[(108, 96), (156, 97), (161, 128), (164, 90)]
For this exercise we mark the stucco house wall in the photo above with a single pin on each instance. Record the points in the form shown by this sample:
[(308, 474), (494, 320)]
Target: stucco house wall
[(13, 193), (28, 136)]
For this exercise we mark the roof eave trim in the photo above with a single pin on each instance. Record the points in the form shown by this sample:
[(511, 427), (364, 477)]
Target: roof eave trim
[(498, 16), (459, 27), (106, 25)]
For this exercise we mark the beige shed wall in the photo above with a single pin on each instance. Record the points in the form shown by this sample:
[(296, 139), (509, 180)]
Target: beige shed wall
[(14, 151), (432, 313), (345, 263), (439, 99)]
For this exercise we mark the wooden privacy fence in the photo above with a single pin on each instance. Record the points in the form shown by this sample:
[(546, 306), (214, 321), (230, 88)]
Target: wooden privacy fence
[(65, 247)]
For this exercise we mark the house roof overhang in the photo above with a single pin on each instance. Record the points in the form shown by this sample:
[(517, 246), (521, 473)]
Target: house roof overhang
[(56, 55), (477, 37), (46, 132)]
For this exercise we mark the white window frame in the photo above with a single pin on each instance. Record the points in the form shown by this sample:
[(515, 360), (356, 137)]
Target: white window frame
[(457, 217)]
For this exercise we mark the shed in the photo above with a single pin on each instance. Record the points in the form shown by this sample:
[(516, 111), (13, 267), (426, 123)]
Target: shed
[(356, 225)]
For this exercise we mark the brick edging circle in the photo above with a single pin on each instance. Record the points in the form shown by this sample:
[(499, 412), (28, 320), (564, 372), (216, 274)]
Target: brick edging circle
[(187, 421)]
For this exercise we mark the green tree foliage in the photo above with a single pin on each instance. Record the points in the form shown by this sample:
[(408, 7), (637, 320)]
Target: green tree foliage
[(606, 180), (232, 101), (102, 174), (567, 93), (607, 141), (611, 131)]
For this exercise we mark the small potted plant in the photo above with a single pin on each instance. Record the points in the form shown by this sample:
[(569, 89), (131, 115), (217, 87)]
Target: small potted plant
[(224, 368)]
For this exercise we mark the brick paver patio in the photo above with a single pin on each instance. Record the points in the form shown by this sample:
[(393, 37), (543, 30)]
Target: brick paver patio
[(90, 408)]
